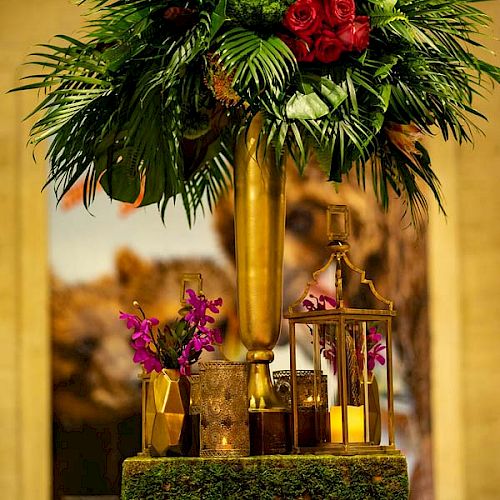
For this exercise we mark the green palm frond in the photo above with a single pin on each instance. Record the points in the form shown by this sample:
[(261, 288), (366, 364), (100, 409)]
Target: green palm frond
[(208, 183), (256, 64)]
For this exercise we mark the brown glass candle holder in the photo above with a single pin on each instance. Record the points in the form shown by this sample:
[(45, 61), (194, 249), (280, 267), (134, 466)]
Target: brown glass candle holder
[(312, 414), (270, 431), (224, 409)]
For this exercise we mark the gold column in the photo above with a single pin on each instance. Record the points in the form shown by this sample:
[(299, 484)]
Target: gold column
[(259, 232)]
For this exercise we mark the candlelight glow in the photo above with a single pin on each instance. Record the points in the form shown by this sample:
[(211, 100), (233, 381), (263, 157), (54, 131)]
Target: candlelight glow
[(355, 424)]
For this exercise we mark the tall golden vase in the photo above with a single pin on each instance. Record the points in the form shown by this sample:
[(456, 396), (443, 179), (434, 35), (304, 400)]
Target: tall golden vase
[(259, 232)]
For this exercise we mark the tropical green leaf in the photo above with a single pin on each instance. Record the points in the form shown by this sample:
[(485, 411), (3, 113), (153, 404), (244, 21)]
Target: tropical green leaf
[(306, 107)]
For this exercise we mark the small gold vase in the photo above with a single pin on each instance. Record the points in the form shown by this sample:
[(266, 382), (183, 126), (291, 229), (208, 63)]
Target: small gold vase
[(375, 417), (170, 432)]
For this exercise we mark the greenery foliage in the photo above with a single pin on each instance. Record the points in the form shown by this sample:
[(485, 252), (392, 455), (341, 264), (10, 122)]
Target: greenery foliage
[(149, 104), (257, 14), (267, 478)]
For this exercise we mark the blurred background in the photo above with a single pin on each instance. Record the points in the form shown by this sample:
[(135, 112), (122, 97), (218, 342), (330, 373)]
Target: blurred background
[(70, 412)]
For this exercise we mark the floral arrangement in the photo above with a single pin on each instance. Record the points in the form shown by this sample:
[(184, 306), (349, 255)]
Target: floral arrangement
[(179, 345), (150, 102), (374, 346)]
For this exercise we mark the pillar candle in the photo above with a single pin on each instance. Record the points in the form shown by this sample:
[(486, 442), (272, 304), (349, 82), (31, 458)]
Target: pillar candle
[(355, 423)]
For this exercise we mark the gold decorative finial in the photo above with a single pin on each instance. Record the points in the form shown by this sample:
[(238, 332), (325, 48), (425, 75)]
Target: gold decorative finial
[(337, 223), (193, 281)]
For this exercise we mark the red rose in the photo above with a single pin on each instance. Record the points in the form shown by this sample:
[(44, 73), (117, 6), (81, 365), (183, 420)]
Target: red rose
[(339, 11), (361, 32), (355, 35), (328, 47), (303, 17), (301, 48), (345, 32)]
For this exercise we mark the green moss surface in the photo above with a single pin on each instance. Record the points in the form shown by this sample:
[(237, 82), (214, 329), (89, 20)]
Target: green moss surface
[(276, 477)]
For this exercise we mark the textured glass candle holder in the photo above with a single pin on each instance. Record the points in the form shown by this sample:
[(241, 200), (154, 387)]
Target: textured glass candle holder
[(224, 409)]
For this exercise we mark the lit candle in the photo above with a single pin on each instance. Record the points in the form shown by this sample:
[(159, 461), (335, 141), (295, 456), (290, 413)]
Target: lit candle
[(308, 402), (355, 423), (225, 445), (253, 404)]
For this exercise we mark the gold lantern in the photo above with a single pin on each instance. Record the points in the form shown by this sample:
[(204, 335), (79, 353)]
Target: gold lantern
[(353, 347)]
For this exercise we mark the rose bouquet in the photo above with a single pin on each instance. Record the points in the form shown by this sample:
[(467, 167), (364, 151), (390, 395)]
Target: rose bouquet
[(178, 345), (149, 104), (324, 30)]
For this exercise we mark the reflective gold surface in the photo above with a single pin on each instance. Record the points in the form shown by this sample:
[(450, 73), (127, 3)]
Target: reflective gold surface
[(259, 231), (170, 393), (224, 409)]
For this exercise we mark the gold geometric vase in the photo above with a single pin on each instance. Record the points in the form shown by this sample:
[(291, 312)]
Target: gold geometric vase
[(170, 432), (259, 234)]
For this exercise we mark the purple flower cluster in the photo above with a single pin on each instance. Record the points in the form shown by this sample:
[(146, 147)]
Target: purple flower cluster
[(321, 303), (180, 345), (142, 341), (374, 349), (203, 337), (373, 338)]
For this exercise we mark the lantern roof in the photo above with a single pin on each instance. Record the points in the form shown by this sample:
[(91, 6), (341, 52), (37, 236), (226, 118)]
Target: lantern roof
[(338, 228)]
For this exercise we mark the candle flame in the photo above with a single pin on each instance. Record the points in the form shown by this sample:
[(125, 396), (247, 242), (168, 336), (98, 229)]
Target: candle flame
[(224, 441)]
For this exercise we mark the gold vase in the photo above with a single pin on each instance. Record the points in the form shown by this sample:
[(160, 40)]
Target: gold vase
[(170, 433), (259, 233), (375, 418)]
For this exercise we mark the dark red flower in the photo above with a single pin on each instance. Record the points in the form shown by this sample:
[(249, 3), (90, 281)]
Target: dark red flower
[(302, 48), (361, 32), (345, 32), (355, 35), (304, 17), (328, 47), (339, 11), (180, 19)]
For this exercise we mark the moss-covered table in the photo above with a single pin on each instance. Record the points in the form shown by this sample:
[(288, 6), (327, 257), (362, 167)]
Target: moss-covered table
[(269, 477)]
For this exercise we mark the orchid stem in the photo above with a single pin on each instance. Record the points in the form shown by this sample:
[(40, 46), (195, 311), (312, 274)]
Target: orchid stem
[(138, 306)]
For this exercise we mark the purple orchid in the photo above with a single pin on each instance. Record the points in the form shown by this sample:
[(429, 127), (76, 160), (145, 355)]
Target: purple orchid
[(320, 303), (374, 356), (199, 305), (152, 363), (132, 320), (373, 336), (187, 338), (146, 357)]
